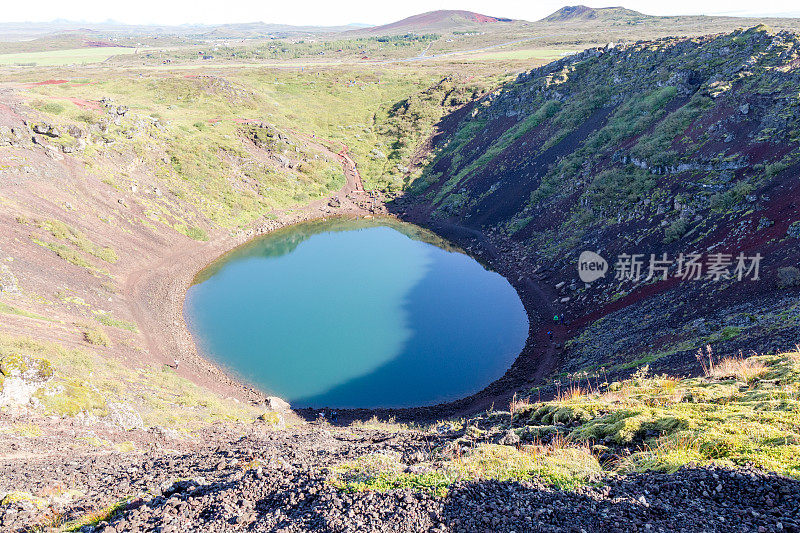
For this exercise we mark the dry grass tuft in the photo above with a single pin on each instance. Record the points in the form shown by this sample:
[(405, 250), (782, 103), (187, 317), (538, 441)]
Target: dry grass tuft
[(573, 392), (518, 404), (747, 370)]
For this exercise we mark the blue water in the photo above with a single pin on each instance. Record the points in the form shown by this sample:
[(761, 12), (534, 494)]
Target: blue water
[(349, 313)]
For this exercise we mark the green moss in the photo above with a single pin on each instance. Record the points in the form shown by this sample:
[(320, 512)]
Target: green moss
[(729, 332), (108, 320), (16, 496), (15, 364), (561, 467), (667, 421)]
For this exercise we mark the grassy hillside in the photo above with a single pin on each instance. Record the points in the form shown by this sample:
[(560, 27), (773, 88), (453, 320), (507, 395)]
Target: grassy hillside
[(110, 175), (674, 146)]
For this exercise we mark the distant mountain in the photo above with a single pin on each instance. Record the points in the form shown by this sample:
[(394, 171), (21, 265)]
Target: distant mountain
[(17, 31), (583, 13), (436, 21)]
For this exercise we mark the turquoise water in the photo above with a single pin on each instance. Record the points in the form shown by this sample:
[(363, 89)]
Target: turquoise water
[(356, 313)]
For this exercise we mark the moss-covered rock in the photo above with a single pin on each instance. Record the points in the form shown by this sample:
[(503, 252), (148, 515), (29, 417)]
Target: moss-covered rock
[(32, 368), (21, 376)]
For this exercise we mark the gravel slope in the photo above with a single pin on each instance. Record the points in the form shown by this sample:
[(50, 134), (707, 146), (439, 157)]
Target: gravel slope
[(254, 479)]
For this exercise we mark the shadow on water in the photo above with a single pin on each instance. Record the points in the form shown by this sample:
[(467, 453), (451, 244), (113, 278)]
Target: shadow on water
[(414, 351), (430, 367)]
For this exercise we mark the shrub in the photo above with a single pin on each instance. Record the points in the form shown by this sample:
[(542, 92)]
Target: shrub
[(722, 201), (96, 336), (676, 230), (788, 277)]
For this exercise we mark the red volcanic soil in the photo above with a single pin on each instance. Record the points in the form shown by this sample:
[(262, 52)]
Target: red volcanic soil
[(98, 44), (86, 104), (48, 82)]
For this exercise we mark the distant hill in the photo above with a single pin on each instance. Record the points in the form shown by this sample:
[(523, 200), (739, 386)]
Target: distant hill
[(584, 13), (23, 31), (435, 21)]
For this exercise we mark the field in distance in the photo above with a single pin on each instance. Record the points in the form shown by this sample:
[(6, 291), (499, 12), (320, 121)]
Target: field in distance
[(74, 56)]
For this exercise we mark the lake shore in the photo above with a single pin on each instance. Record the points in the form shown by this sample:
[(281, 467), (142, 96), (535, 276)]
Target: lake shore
[(156, 299)]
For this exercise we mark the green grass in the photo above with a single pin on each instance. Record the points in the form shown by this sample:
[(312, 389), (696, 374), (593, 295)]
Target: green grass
[(747, 411), (95, 517), (214, 174), (12, 310), (198, 234), (75, 56), (108, 320), (558, 465), (83, 382)]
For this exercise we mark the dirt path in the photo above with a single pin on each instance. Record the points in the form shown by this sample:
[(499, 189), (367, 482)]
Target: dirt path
[(353, 181), (351, 174)]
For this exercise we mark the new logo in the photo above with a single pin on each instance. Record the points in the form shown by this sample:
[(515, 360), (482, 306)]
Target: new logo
[(591, 266)]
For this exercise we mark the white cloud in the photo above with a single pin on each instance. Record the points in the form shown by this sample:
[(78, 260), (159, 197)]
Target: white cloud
[(331, 12)]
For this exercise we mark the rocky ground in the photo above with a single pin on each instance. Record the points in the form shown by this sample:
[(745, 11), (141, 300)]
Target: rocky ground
[(254, 478)]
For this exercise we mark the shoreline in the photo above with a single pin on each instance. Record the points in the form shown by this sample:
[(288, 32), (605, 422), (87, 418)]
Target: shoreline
[(537, 359), (156, 297)]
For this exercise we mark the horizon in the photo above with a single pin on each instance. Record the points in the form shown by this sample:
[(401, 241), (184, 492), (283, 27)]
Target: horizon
[(298, 15)]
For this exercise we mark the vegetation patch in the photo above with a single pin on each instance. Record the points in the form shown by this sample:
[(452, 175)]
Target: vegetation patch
[(108, 320), (83, 382), (96, 336), (13, 310), (78, 239), (744, 411), (559, 465)]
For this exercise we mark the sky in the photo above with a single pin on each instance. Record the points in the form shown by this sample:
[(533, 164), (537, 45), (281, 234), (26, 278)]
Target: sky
[(339, 12)]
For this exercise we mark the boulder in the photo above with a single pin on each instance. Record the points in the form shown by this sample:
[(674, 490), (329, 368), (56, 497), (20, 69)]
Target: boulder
[(124, 416), (75, 131), (510, 438), (8, 282), (277, 404), (788, 277), (794, 230), (165, 433), (765, 222), (22, 376), (43, 128)]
